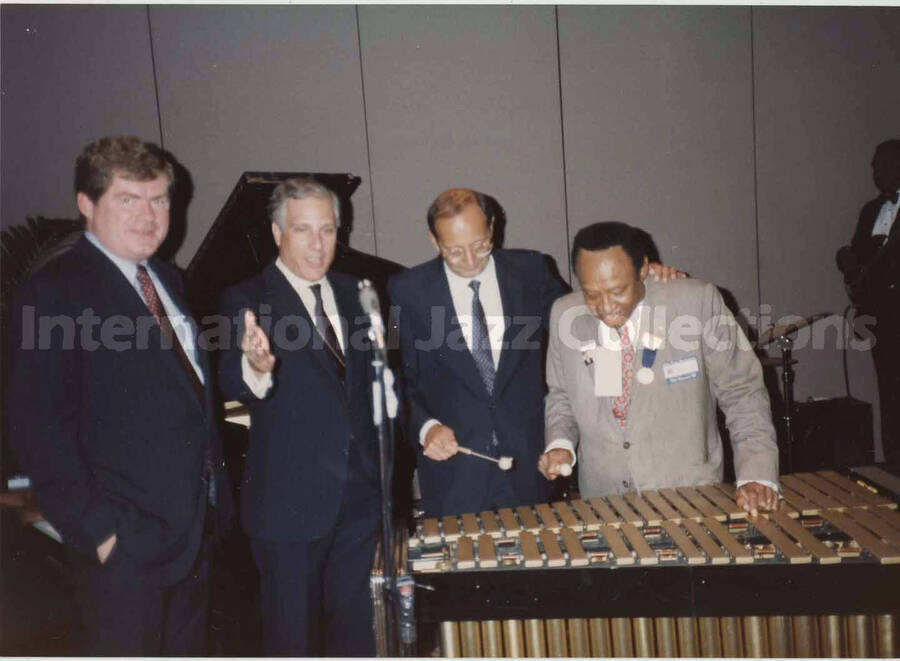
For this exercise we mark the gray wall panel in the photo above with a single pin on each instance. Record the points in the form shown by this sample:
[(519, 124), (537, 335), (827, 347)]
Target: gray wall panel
[(657, 110), (826, 94), (658, 107), (260, 88), (69, 75), (463, 96)]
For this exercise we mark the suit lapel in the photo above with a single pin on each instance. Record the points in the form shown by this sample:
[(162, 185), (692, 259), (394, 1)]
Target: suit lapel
[(441, 314), (642, 393), (512, 295), (173, 289), (122, 294), (584, 332), (127, 299), (286, 302), (347, 305)]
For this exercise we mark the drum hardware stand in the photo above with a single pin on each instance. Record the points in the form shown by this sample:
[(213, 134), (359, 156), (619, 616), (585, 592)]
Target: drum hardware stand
[(786, 344), (782, 336)]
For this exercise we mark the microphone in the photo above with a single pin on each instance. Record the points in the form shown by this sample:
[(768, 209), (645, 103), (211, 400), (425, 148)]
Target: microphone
[(368, 299)]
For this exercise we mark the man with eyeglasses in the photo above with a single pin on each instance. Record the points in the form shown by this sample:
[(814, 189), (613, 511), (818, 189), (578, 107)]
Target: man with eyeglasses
[(472, 324)]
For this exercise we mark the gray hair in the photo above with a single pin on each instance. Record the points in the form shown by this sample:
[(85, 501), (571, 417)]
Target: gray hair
[(300, 188)]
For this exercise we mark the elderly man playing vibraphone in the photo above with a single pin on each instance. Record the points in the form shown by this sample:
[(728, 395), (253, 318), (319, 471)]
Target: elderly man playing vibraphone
[(635, 371)]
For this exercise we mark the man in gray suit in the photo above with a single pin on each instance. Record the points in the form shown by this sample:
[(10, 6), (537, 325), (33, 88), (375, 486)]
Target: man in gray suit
[(635, 370)]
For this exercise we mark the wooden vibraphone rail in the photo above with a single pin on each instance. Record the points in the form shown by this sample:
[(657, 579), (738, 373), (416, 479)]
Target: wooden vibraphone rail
[(820, 570)]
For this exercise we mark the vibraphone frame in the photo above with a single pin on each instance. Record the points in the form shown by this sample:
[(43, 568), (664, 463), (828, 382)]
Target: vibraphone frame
[(678, 594)]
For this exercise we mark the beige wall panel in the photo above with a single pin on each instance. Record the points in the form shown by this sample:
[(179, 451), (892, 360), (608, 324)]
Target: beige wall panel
[(69, 75), (657, 111), (826, 94), (260, 88), (463, 96)]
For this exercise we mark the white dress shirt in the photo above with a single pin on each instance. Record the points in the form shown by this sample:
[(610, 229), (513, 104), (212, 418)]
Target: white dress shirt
[(260, 385), (462, 295), (181, 324), (886, 217)]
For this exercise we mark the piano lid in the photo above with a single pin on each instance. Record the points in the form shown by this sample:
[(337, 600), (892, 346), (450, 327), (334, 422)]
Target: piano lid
[(239, 243)]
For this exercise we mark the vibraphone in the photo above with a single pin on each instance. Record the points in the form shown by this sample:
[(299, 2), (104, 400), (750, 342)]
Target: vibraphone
[(673, 572)]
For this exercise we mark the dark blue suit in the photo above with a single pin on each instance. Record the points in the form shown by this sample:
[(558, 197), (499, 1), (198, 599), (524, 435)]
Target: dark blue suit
[(443, 382), (115, 439), (309, 494)]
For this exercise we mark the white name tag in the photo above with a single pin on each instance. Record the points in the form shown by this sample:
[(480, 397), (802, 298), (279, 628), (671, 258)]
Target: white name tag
[(607, 372), (680, 370)]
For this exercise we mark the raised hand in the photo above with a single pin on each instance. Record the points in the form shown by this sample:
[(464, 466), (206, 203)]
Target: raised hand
[(255, 345)]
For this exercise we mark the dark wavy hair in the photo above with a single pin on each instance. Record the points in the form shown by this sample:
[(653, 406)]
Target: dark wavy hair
[(125, 155)]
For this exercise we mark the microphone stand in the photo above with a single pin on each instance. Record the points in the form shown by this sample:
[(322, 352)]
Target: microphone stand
[(786, 344), (384, 411)]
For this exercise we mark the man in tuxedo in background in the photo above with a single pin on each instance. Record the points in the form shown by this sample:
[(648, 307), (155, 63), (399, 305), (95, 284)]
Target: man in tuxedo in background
[(871, 268), (310, 496), (109, 409)]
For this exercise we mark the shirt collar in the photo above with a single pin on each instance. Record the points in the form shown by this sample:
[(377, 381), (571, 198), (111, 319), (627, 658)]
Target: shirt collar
[(458, 283), (298, 283), (127, 267)]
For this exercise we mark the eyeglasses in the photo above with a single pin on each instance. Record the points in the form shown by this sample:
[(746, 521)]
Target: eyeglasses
[(478, 248)]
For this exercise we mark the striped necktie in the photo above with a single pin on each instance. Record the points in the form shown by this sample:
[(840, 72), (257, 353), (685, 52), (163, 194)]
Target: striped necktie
[(481, 341)]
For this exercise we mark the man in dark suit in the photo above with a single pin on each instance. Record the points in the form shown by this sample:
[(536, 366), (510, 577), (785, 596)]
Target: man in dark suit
[(110, 412), (871, 267), (310, 493), (472, 324)]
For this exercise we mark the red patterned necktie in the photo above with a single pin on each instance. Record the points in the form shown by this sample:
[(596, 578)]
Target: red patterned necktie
[(620, 404), (151, 297)]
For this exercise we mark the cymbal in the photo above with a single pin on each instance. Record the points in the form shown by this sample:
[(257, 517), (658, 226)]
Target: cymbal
[(781, 330)]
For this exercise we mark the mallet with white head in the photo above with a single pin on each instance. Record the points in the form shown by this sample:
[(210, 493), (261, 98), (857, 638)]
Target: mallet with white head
[(504, 463)]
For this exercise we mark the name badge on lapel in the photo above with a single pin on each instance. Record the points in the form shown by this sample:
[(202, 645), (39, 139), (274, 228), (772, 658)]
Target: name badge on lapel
[(681, 370)]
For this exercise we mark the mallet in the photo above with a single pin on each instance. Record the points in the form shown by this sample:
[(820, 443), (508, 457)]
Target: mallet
[(505, 463)]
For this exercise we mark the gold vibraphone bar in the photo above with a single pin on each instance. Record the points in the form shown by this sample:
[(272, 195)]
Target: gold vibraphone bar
[(670, 572)]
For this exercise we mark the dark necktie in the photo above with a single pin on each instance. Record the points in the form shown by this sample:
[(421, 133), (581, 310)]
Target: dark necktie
[(326, 330), (481, 341), (151, 297)]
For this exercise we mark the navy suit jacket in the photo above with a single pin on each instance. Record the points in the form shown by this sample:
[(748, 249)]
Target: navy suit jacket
[(303, 432), (104, 420), (442, 380)]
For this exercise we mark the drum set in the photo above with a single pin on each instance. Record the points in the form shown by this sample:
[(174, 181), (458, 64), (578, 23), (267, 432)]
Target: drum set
[(782, 335)]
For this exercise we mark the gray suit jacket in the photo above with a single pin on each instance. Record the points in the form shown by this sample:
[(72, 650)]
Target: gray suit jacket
[(671, 437)]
